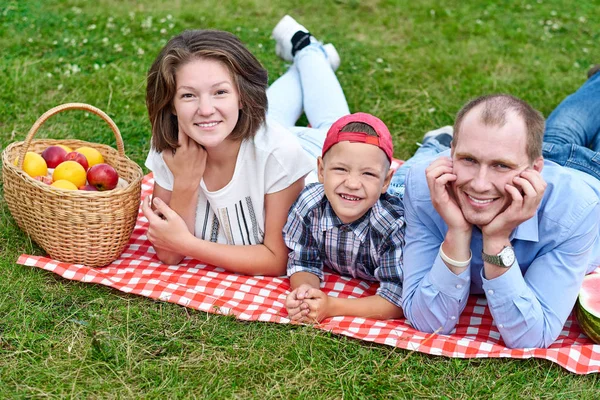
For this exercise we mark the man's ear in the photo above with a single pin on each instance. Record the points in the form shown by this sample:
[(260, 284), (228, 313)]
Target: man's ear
[(538, 164), (387, 180), (321, 169)]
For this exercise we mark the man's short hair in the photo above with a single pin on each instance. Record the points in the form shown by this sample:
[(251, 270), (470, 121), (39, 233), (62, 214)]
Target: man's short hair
[(494, 112)]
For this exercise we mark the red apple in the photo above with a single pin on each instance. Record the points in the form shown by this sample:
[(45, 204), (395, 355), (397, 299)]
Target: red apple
[(103, 177), (54, 155), (80, 158), (89, 188)]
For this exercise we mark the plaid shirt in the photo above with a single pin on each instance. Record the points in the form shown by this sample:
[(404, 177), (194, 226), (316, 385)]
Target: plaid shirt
[(369, 248)]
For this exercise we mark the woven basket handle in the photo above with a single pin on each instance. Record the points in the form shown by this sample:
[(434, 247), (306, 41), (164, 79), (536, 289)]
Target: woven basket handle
[(65, 107)]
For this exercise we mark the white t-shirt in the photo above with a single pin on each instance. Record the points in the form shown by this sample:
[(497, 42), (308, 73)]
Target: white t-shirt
[(235, 214)]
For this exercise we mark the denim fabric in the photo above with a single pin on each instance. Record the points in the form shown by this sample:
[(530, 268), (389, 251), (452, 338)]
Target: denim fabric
[(430, 148), (572, 136)]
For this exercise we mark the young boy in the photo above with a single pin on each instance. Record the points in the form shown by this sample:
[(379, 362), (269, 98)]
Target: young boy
[(348, 223)]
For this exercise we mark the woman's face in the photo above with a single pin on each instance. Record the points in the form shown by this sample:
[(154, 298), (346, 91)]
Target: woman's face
[(206, 102)]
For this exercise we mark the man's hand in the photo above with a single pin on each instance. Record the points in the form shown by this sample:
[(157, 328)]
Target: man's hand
[(439, 179), (166, 230), (456, 245), (526, 192), (188, 162)]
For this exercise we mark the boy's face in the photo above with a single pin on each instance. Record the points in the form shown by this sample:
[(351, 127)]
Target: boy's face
[(354, 176)]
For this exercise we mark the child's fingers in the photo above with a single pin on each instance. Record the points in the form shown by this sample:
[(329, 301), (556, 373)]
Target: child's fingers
[(297, 314), (302, 290), (313, 293)]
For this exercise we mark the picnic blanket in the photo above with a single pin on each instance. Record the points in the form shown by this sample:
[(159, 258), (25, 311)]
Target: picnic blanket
[(211, 289)]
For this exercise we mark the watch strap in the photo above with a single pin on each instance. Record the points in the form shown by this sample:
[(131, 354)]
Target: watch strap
[(497, 259)]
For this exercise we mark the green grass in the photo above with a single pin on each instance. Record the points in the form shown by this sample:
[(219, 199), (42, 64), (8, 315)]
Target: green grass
[(413, 64)]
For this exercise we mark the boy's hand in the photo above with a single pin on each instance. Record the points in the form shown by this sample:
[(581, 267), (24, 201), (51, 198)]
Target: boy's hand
[(317, 304), (294, 301)]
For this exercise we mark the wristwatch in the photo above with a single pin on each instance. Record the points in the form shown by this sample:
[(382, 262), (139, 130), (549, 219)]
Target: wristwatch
[(505, 259)]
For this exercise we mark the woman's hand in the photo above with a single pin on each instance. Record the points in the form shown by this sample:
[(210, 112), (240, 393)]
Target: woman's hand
[(166, 230), (187, 162)]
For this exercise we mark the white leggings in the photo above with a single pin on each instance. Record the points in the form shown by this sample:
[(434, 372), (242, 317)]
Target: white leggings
[(309, 86)]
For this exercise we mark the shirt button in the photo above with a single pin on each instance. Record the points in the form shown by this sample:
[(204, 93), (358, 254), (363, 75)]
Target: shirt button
[(453, 318), (501, 326), (459, 286), (490, 291)]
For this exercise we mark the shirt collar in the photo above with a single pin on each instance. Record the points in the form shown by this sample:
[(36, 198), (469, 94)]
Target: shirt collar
[(528, 230), (377, 218), (360, 227)]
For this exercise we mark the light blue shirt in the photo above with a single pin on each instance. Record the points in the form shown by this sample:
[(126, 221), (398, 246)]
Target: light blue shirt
[(532, 300)]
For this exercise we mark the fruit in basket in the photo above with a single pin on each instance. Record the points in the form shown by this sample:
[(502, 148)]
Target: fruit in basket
[(54, 155), (71, 171), (587, 308), (93, 156), (64, 184), (67, 148), (34, 164), (89, 188), (44, 179), (103, 177), (80, 158)]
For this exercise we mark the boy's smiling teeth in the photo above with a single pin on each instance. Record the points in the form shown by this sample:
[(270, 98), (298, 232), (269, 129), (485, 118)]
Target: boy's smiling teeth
[(207, 124), (352, 198), (485, 201)]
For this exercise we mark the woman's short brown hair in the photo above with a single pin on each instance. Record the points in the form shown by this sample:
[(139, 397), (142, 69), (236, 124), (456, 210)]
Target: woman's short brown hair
[(246, 71)]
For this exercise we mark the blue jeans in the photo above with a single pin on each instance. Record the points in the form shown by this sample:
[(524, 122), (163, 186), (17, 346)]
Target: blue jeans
[(572, 136), (430, 148), (309, 86)]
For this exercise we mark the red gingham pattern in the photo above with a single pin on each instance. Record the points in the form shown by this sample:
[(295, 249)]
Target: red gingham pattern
[(213, 290)]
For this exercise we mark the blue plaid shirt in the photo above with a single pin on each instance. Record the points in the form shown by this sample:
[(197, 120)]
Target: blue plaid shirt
[(369, 248)]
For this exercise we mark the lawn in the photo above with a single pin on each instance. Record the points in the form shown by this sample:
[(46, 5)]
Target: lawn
[(413, 64)]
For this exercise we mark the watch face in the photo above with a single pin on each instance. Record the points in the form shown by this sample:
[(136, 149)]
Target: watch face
[(507, 255)]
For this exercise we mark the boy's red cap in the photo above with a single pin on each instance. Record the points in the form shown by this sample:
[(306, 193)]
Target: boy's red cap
[(384, 141)]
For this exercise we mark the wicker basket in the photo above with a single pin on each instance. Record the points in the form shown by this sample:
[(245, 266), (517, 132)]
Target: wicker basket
[(80, 227)]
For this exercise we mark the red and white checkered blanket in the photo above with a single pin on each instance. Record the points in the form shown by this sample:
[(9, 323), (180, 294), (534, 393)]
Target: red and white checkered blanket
[(213, 290)]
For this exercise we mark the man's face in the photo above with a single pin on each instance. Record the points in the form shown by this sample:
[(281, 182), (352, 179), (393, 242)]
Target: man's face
[(485, 160)]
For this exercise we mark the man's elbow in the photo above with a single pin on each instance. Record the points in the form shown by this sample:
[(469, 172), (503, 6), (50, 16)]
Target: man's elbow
[(425, 321), (529, 339)]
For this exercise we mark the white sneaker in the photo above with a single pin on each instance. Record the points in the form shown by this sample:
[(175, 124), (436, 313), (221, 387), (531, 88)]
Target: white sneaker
[(283, 32), (448, 129)]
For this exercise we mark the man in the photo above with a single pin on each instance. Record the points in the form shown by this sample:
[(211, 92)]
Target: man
[(495, 218)]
